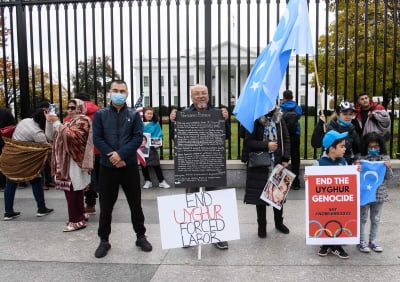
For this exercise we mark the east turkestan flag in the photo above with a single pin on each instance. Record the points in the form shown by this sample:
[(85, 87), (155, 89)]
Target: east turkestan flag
[(371, 177), (261, 89)]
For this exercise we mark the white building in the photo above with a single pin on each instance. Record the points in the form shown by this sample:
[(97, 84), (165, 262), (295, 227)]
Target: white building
[(222, 69)]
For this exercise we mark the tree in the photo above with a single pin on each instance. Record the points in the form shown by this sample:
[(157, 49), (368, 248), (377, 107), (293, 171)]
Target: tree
[(368, 69), (93, 83)]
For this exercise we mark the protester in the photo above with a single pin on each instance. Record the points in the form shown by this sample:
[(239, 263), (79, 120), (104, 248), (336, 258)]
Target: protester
[(373, 149), (72, 162), (270, 134), (292, 113), (91, 191), (118, 133), (152, 126), (6, 119), (371, 117), (341, 122), (24, 161), (335, 148), (200, 99)]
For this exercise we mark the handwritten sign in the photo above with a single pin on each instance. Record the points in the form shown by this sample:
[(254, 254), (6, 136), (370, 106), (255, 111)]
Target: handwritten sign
[(332, 205), (200, 149), (198, 218)]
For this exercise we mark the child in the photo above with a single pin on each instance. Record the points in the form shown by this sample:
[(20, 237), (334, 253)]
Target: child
[(152, 126), (373, 149), (335, 144)]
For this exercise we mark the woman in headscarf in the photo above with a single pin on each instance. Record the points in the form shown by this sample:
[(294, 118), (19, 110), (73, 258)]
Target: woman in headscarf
[(72, 162)]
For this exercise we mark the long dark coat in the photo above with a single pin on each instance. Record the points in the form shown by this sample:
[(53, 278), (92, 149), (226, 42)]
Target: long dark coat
[(257, 177)]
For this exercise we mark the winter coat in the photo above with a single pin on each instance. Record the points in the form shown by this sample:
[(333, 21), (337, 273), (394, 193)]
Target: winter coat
[(117, 131), (353, 143), (293, 106), (257, 177)]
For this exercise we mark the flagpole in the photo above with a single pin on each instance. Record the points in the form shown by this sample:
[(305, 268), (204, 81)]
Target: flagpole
[(319, 92)]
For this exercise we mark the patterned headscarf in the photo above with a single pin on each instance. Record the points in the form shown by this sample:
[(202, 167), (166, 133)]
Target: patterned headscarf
[(80, 106)]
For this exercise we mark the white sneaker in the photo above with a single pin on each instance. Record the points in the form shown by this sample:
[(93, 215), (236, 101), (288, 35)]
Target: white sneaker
[(164, 184), (147, 185)]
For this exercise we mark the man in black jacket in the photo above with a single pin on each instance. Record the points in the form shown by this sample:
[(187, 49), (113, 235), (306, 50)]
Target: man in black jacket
[(117, 134)]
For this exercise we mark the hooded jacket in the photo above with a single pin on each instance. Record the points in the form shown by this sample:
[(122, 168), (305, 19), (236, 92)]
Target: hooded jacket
[(293, 106)]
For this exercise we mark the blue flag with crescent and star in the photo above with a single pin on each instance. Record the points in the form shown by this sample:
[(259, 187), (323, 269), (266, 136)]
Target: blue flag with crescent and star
[(371, 177), (261, 89)]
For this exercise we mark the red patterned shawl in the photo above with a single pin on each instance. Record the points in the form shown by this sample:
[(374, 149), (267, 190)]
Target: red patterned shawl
[(73, 139)]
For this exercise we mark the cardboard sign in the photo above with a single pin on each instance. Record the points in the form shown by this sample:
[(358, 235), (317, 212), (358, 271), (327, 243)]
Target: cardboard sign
[(198, 218), (332, 205)]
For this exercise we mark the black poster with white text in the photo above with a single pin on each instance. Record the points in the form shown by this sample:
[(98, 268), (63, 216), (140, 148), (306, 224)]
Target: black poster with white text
[(200, 149)]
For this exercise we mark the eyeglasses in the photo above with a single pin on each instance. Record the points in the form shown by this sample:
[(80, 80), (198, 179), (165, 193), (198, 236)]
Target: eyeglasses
[(72, 108), (202, 93)]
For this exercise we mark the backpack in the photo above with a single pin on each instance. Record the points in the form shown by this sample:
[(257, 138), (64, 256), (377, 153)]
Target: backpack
[(291, 120)]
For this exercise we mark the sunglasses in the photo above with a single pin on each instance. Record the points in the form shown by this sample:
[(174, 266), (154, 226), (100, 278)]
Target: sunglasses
[(73, 108)]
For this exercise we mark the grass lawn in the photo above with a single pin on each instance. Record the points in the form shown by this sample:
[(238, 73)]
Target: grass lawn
[(306, 150)]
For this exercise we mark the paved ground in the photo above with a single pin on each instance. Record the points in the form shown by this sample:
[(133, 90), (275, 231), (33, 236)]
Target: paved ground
[(35, 249)]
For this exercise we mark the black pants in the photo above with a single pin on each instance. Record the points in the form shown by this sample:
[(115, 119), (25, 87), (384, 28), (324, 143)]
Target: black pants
[(158, 171), (262, 215), (109, 180), (91, 193), (295, 157)]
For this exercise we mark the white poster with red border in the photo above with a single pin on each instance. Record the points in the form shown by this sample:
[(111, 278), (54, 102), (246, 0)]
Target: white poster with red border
[(332, 205)]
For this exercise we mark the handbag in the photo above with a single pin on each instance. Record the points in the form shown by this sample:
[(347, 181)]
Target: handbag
[(259, 159), (7, 131)]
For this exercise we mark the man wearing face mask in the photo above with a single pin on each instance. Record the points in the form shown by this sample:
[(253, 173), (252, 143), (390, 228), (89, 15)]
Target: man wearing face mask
[(341, 122), (117, 134)]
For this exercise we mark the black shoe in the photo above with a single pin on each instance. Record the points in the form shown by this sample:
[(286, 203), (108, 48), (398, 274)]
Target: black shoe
[(282, 228), (43, 212), (262, 231), (296, 187), (324, 251), (339, 251), (11, 215), (102, 249), (144, 244), (221, 245)]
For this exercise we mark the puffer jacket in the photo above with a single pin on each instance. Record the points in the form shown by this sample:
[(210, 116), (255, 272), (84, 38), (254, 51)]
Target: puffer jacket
[(353, 143), (117, 131)]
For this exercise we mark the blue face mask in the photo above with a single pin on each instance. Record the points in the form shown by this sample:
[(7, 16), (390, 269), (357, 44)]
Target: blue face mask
[(373, 152), (344, 123), (118, 99)]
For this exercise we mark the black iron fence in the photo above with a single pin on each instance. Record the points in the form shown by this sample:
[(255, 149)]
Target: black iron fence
[(50, 50)]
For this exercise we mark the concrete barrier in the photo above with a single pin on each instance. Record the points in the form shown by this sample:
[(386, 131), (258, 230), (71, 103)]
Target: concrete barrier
[(236, 172)]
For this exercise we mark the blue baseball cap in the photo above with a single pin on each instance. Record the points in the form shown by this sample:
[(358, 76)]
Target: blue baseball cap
[(331, 136)]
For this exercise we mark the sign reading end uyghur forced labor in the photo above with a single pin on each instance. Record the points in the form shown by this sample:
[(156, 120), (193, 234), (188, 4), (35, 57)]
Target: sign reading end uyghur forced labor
[(332, 205), (198, 218), (200, 149)]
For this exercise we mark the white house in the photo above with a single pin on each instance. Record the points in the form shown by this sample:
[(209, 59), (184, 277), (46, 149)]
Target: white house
[(164, 78)]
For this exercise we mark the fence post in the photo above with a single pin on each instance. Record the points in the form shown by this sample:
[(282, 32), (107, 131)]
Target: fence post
[(22, 59), (207, 43)]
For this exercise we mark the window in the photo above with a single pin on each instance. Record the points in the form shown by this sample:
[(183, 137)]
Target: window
[(302, 100), (162, 100), (303, 79), (191, 80), (145, 81), (175, 100), (175, 78), (146, 101), (162, 81)]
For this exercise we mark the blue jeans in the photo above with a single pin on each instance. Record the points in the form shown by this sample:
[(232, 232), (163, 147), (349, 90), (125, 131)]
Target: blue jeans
[(9, 194), (375, 210)]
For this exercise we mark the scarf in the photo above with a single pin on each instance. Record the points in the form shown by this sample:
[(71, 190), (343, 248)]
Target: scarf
[(74, 139), (153, 128)]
